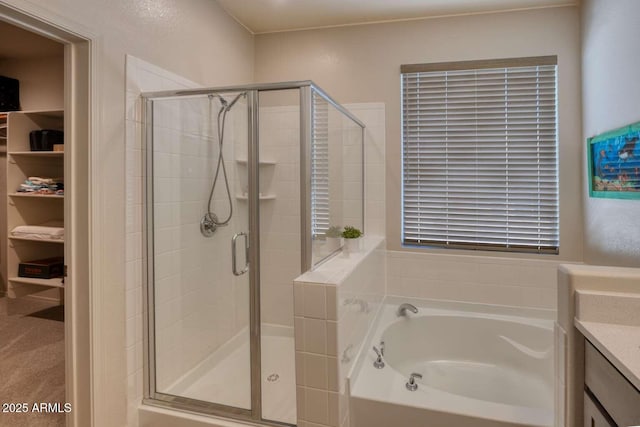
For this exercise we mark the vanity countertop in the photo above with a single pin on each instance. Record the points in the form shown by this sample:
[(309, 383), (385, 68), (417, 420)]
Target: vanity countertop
[(611, 322), (618, 343)]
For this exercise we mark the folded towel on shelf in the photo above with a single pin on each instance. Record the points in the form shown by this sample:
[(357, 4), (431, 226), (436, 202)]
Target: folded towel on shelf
[(52, 230), (38, 185), (38, 180)]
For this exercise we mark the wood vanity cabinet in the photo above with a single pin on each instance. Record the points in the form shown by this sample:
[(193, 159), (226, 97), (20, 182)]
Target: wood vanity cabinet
[(594, 415), (610, 400)]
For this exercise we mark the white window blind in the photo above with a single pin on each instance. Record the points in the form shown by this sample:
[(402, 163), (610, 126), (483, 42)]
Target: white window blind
[(319, 166), (480, 155)]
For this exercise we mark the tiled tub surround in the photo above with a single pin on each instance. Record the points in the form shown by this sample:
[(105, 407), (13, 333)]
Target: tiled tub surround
[(517, 282), (334, 308), (481, 365)]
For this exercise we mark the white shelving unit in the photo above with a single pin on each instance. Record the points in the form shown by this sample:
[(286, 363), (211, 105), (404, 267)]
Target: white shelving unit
[(27, 208), (52, 283), (38, 153), (36, 196), (3, 127), (26, 239), (3, 132)]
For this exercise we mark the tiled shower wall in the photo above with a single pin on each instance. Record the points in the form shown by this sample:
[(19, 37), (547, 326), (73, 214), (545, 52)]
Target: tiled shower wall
[(373, 116), (199, 303), (279, 143), (352, 177), (279, 216), (345, 170), (141, 76), (336, 168)]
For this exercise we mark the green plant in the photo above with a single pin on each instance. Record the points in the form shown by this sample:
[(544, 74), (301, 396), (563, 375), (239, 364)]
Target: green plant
[(351, 232), (333, 231)]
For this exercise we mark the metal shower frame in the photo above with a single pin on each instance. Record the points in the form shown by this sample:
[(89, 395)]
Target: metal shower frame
[(306, 89)]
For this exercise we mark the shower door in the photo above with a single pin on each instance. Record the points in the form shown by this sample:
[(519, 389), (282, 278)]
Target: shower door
[(200, 305), (228, 220)]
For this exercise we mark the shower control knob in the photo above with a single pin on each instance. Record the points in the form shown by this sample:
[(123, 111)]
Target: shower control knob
[(208, 224)]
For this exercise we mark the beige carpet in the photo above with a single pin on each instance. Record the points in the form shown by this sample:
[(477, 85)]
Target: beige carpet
[(31, 360)]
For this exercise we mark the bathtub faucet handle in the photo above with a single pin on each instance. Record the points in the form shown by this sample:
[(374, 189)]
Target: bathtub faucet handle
[(382, 348), (411, 384), (378, 363)]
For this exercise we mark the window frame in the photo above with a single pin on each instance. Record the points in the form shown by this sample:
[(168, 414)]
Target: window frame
[(474, 66)]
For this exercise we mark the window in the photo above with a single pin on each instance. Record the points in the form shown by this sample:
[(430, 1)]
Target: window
[(480, 155), (320, 166)]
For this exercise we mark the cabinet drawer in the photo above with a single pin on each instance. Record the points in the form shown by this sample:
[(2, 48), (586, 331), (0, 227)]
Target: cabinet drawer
[(616, 395), (593, 417)]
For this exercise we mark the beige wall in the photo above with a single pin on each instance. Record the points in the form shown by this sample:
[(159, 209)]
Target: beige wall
[(611, 89), (193, 38), (41, 81), (362, 64)]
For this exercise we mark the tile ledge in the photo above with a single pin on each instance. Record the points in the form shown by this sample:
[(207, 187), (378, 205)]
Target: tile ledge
[(338, 268)]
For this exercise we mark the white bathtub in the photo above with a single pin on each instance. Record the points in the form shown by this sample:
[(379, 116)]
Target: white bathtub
[(480, 365)]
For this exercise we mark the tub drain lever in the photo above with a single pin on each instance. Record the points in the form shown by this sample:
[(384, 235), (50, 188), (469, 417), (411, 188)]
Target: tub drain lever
[(411, 384), (378, 363)]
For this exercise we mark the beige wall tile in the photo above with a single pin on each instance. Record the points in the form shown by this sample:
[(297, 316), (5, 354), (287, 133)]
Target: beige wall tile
[(315, 336), (317, 406), (315, 371)]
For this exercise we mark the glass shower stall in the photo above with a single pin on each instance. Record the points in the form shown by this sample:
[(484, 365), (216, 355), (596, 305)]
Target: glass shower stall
[(242, 186)]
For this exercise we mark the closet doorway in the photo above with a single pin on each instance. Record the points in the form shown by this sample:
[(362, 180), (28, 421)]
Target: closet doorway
[(45, 136), (31, 226)]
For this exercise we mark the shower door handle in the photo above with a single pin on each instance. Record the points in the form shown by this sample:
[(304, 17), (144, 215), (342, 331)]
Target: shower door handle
[(246, 253)]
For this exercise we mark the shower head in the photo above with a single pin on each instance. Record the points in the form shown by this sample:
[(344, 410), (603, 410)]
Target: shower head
[(223, 101), (226, 106)]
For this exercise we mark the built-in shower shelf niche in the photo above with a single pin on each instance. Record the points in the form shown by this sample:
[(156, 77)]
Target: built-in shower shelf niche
[(261, 162), (262, 197), (266, 175)]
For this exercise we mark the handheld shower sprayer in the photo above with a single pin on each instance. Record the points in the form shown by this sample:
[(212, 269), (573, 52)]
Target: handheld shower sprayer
[(210, 222)]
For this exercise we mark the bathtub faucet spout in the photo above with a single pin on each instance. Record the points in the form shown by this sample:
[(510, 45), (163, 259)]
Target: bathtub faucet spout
[(402, 310)]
